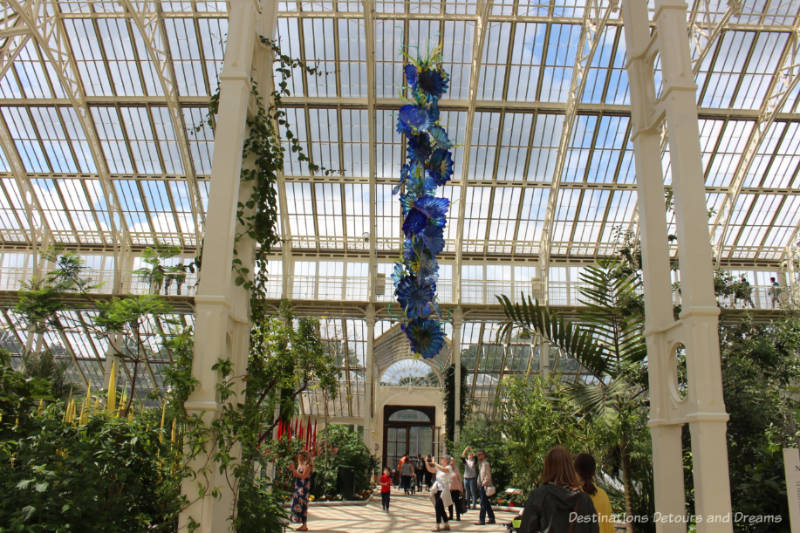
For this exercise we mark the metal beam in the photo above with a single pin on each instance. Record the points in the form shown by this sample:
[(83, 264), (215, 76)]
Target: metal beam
[(46, 27), (150, 24), (595, 19), (481, 27), (784, 81)]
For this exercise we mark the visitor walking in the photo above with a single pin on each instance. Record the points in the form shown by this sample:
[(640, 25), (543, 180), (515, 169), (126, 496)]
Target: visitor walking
[(486, 487), (456, 492), (744, 292), (302, 488), (775, 293), (441, 490), (406, 471), (470, 477), (586, 467), (558, 504), (386, 489)]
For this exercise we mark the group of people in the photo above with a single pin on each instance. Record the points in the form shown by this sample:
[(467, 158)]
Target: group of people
[(449, 493), (567, 498)]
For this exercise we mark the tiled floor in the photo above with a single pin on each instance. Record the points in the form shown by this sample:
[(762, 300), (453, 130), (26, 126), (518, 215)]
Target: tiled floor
[(407, 513)]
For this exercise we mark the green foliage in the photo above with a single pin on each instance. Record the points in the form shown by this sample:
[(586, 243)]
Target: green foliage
[(450, 400), (760, 374), (44, 365), (57, 476), (269, 140), (285, 360), (122, 321), (482, 434), (342, 448), (535, 416), (39, 300), (607, 339)]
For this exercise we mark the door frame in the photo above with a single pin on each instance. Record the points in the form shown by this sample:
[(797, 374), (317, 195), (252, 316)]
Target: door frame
[(389, 410)]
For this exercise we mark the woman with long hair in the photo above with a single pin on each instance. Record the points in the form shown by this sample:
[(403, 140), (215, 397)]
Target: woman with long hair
[(586, 467), (558, 504), (302, 489)]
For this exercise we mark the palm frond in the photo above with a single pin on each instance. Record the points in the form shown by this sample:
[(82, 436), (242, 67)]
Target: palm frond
[(575, 340)]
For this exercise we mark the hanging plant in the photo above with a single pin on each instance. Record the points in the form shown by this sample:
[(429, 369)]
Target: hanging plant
[(429, 165)]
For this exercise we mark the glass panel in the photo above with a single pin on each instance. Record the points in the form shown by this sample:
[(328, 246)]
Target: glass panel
[(409, 415), (420, 441)]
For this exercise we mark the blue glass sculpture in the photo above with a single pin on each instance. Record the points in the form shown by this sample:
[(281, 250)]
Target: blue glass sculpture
[(429, 165)]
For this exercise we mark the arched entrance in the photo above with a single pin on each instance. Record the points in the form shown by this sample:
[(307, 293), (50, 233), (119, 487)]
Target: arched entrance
[(407, 430)]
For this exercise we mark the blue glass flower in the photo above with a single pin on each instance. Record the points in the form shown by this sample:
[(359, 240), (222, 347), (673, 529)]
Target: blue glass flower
[(398, 274), (411, 75), (440, 166), (415, 296), (426, 336), (419, 148), (412, 119), (432, 82), (411, 249), (433, 111), (440, 136), (426, 211)]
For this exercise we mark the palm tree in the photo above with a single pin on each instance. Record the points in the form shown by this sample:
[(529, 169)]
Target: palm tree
[(607, 339)]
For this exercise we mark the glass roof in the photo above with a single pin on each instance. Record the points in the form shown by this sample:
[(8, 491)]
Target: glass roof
[(102, 138), (103, 142)]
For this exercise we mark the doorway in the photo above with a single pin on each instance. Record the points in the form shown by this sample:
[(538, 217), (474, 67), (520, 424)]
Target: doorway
[(407, 430)]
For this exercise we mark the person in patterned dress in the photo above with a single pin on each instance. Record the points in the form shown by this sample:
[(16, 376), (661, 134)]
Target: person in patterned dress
[(302, 488)]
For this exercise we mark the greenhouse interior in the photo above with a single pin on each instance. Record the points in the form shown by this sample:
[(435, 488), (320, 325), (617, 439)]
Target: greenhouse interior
[(254, 252)]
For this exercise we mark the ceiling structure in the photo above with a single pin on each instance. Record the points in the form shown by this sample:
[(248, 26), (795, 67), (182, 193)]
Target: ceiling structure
[(104, 146)]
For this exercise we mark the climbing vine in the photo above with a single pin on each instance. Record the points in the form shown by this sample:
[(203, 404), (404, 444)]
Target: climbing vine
[(282, 362), (268, 141)]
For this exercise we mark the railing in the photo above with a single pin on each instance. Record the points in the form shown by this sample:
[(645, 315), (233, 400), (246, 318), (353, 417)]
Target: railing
[(355, 289)]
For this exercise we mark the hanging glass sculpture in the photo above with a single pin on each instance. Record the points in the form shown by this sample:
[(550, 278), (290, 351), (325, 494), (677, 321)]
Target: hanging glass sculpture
[(429, 165)]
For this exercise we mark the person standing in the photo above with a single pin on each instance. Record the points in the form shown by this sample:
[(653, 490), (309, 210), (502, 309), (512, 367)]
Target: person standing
[(744, 292), (428, 473), (302, 488), (386, 489), (441, 490), (420, 472), (558, 504), (456, 492), (775, 292), (586, 467), (470, 477), (484, 481), (406, 471)]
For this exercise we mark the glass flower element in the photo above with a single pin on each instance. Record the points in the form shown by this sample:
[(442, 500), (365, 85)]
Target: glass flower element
[(412, 119), (411, 73), (433, 83), (426, 336), (426, 211), (440, 136), (415, 296), (419, 148), (440, 166)]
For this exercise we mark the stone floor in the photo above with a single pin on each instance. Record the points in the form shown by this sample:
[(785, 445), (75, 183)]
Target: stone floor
[(407, 513)]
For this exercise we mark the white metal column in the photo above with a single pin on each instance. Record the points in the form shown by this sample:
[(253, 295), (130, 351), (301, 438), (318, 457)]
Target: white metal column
[(370, 426), (221, 307), (702, 407), (455, 350)]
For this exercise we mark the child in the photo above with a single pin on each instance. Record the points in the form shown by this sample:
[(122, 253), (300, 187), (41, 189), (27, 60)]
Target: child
[(386, 488)]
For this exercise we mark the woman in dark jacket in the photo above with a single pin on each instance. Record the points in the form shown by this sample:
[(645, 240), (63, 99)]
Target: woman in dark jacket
[(558, 505)]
